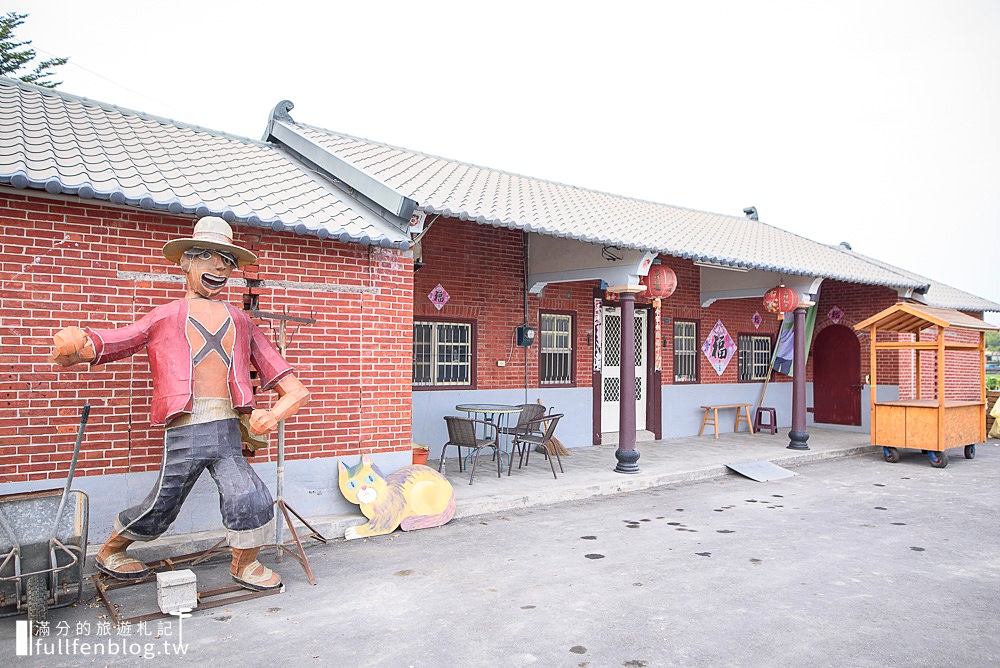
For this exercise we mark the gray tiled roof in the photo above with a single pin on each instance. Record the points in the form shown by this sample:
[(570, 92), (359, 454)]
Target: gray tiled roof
[(493, 197), (939, 294), (69, 145)]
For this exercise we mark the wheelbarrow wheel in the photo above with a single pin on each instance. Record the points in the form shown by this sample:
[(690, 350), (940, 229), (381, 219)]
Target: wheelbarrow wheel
[(38, 603)]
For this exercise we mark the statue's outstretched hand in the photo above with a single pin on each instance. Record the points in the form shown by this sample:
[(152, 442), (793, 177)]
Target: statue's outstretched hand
[(292, 396), (262, 421), (72, 346)]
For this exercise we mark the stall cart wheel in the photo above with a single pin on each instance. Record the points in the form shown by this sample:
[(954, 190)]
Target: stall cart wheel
[(938, 459), (891, 455), (970, 451), (38, 604)]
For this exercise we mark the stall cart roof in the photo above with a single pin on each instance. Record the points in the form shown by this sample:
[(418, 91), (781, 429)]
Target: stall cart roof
[(912, 318)]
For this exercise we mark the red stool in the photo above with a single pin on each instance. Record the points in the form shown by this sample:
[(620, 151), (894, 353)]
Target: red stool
[(771, 425)]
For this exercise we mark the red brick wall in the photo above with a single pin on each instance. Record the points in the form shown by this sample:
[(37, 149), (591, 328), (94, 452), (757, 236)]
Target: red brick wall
[(736, 315), (962, 367), (481, 268), (857, 303), (578, 297), (59, 265)]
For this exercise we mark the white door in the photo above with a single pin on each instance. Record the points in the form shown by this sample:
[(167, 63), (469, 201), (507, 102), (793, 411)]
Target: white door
[(611, 391)]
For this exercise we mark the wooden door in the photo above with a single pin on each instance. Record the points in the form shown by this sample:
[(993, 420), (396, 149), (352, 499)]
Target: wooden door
[(837, 377)]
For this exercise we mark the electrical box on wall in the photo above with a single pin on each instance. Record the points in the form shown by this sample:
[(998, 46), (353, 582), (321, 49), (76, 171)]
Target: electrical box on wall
[(525, 335)]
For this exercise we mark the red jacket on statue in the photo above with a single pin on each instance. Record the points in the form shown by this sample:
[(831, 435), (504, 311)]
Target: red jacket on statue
[(162, 332)]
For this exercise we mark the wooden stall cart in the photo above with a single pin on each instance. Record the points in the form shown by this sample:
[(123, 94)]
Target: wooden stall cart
[(934, 424)]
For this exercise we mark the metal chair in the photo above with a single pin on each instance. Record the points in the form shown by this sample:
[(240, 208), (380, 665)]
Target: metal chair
[(462, 434), (528, 413), (538, 433)]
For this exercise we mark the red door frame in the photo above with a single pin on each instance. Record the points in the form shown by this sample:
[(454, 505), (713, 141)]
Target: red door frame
[(654, 379)]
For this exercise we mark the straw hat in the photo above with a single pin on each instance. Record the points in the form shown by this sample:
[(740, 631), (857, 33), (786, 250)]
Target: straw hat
[(212, 233)]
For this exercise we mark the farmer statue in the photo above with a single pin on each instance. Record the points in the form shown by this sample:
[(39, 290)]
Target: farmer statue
[(200, 353)]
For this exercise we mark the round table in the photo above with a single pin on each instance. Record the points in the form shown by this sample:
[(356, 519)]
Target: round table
[(495, 413)]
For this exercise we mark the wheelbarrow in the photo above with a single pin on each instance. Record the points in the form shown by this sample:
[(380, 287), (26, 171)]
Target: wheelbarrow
[(43, 546)]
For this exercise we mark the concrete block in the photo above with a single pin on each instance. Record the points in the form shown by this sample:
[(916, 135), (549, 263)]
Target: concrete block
[(176, 590)]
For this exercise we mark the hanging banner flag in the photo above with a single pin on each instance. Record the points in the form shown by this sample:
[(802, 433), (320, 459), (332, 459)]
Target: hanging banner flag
[(719, 347), (784, 351)]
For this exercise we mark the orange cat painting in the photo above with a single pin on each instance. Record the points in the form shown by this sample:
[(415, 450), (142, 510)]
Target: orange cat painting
[(414, 497)]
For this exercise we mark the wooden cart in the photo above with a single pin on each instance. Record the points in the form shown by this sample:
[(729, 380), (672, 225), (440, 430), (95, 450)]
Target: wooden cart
[(936, 424)]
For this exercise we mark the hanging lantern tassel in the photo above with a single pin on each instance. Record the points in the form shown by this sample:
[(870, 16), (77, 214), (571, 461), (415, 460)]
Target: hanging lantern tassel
[(780, 300)]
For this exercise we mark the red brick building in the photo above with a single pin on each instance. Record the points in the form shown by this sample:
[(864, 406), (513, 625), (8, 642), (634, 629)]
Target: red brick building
[(421, 275), (89, 197)]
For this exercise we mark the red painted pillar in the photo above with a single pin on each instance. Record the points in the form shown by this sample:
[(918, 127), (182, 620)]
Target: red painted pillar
[(798, 434), (626, 453)]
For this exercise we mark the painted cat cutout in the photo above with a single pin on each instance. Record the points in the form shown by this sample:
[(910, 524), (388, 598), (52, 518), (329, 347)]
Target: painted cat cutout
[(414, 497)]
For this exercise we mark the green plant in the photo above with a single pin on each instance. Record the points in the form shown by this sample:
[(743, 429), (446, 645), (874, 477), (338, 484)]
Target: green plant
[(993, 382), (13, 61)]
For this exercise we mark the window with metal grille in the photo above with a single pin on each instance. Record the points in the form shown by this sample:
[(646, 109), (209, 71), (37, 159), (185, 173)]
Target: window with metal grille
[(685, 351), (754, 356), (442, 354), (556, 360)]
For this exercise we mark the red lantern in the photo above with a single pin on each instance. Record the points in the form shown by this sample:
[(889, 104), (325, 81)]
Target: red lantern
[(780, 300), (660, 283)]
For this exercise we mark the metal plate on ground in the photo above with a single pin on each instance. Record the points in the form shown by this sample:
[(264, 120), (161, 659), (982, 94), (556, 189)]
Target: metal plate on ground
[(761, 471)]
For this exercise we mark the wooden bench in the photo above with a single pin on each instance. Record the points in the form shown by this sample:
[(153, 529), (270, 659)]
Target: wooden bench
[(712, 417)]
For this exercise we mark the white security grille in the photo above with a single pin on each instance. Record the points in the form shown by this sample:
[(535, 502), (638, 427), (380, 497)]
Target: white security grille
[(685, 351), (556, 353), (754, 357)]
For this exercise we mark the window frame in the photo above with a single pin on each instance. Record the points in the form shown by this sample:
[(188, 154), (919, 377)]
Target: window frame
[(697, 350), (572, 315), (740, 355), (473, 339)]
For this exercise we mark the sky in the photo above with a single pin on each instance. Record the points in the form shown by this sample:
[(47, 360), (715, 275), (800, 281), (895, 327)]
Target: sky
[(875, 122)]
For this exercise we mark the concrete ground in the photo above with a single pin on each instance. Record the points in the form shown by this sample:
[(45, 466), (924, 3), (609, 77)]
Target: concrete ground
[(589, 472), (718, 562)]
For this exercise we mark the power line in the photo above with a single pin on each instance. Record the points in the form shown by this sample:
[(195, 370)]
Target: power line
[(72, 63)]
